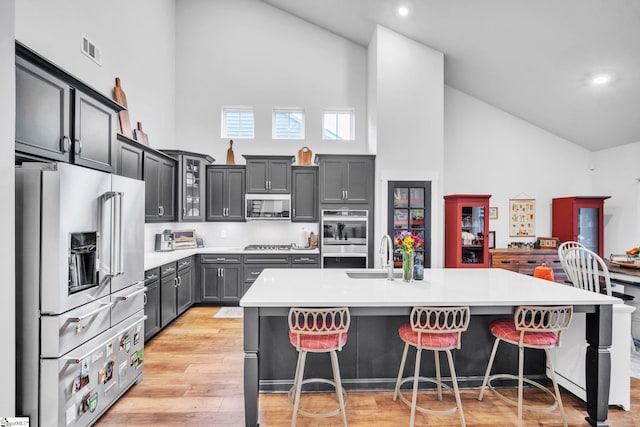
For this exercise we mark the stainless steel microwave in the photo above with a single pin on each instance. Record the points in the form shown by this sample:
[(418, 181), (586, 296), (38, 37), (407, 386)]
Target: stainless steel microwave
[(268, 206)]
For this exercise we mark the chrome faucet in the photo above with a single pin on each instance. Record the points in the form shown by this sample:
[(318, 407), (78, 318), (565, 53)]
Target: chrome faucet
[(387, 258)]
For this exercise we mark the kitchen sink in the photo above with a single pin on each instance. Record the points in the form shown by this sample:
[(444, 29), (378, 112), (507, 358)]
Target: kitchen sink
[(372, 274)]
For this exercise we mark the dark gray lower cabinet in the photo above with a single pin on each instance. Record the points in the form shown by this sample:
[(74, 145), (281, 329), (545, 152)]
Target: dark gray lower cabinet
[(152, 303), (185, 285), (255, 263), (168, 285), (305, 261), (169, 294), (221, 278)]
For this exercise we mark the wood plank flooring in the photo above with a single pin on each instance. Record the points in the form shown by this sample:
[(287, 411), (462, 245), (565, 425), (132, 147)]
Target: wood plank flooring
[(194, 376)]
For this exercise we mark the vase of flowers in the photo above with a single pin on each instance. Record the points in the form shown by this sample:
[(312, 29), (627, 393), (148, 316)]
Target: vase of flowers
[(407, 244)]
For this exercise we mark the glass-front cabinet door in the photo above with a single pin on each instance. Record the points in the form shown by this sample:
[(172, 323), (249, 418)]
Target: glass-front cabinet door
[(192, 208), (472, 234), (410, 211), (588, 227)]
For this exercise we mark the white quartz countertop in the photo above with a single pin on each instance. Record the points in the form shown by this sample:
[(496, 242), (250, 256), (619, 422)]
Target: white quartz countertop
[(156, 259), (441, 286)]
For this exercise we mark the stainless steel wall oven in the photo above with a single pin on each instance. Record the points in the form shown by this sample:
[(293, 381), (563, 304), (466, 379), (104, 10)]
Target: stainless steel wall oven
[(345, 238)]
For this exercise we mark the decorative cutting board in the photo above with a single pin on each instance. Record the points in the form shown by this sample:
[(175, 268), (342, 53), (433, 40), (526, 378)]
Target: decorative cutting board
[(123, 116)]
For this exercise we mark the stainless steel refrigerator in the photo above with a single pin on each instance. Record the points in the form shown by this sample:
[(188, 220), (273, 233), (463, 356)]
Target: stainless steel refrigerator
[(79, 291)]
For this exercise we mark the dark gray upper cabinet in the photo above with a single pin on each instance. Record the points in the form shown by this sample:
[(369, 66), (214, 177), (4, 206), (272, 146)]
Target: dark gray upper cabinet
[(159, 173), (42, 113), (191, 184), (346, 178), (129, 157), (94, 134), (268, 174), (304, 197), (225, 193), (59, 117)]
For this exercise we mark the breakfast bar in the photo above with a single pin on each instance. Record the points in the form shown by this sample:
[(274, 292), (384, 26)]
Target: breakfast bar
[(378, 306)]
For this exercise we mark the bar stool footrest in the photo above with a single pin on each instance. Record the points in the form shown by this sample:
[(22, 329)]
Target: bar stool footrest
[(292, 392), (425, 410), (514, 402)]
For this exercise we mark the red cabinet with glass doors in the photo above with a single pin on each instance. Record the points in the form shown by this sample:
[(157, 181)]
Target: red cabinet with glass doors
[(580, 219), (466, 226)]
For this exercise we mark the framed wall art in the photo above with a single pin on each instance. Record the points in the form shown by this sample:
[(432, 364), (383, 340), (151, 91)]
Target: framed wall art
[(522, 218), (493, 212)]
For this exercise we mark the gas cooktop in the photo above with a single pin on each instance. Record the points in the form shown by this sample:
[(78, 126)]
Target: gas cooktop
[(267, 248)]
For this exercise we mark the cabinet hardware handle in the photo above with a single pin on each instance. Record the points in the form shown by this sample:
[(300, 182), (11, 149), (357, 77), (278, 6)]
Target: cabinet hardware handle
[(144, 299), (66, 144), (179, 281), (151, 276), (530, 261), (222, 272), (77, 147), (346, 194), (255, 273), (175, 282), (505, 262)]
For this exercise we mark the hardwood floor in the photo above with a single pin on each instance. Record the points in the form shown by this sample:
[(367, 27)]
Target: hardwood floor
[(193, 376)]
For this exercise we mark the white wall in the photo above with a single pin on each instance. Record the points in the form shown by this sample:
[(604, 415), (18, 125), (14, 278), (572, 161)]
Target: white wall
[(407, 109), (489, 151), (137, 40), (7, 215), (616, 173), (248, 53)]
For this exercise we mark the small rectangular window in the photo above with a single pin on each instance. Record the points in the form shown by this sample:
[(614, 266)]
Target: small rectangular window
[(238, 122), (337, 125), (288, 123)]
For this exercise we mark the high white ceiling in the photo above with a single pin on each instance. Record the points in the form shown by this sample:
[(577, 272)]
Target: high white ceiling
[(530, 58)]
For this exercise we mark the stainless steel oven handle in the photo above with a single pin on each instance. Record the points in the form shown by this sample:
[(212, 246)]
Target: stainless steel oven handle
[(89, 314), (77, 360)]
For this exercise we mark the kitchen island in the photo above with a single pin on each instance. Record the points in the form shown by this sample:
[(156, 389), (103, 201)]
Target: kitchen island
[(378, 306)]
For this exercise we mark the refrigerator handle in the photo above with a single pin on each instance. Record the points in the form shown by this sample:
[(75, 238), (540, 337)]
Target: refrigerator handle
[(104, 199), (88, 315), (74, 360), (120, 244)]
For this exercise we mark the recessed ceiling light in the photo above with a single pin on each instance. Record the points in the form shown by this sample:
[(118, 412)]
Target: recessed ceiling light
[(403, 11), (601, 79)]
